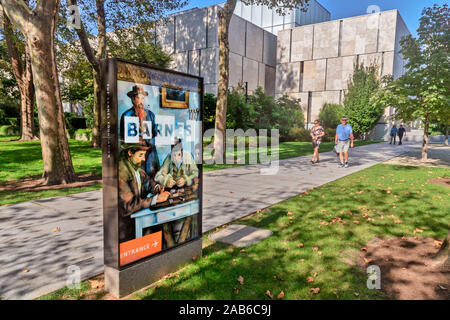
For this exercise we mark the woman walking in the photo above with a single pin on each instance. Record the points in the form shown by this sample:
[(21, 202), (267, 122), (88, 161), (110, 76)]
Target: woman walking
[(317, 133)]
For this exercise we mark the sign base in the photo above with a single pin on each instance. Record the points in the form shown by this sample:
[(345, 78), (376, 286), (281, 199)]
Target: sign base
[(123, 282)]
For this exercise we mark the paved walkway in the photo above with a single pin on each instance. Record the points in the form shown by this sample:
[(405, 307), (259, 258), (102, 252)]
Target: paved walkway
[(34, 257)]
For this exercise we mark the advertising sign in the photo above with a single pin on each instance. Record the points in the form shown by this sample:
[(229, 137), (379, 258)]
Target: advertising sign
[(151, 161)]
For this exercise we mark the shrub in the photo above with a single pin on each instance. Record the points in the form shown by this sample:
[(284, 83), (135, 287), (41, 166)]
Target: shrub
[(83, 134), (8, 130), (74, 122), (330, 115), (265, 109), (288, 115), (330, 133), (240, 115), (299, 135), (209, 111)]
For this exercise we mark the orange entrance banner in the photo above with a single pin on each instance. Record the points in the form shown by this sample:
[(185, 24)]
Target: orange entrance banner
[(139, 248)]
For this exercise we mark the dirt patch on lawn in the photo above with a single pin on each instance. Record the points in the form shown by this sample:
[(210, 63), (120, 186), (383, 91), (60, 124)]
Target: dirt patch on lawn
[(440, 181), (37, 184), (406, 268)]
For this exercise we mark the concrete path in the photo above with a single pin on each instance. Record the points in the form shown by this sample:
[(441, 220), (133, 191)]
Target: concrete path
[(35, 256)]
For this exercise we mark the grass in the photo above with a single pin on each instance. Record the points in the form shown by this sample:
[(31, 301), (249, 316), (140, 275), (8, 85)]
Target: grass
[(21, 160), (383, 201)]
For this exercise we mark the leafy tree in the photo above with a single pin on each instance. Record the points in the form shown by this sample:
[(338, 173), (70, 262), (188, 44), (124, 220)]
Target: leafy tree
[(361, 113), (423, 92), (37, 24), (9, 92), (17, 64), (265, 107), (225, 15), (330, 115), (289, 114), (240, 115)]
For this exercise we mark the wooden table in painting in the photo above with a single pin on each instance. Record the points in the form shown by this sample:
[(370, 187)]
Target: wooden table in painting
[(155, 216)]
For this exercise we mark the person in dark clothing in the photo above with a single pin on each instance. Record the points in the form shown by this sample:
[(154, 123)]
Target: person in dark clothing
[(135, 186), (401, 133)]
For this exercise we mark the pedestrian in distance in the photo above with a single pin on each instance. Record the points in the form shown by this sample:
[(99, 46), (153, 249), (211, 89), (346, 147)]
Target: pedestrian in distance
[(317, 133), (343, 140), (394, 132), (401, 133)]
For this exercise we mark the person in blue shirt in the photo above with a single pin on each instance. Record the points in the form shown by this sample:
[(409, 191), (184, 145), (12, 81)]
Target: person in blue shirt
[(344, 141), (394, 132)]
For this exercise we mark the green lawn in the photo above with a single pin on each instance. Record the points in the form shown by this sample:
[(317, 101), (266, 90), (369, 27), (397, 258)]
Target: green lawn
[(382, 201), (20, 160)]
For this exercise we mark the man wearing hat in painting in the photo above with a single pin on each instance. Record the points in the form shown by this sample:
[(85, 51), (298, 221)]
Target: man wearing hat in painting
[(135, 186), (137, 96)]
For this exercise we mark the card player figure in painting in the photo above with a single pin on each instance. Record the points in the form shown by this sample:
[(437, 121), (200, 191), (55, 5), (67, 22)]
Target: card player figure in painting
[(179, 172), (137, 190), (137, 96), (178, 169)]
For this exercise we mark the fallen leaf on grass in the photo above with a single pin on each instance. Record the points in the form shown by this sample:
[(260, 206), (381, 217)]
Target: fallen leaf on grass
[(398, 221), (315, 290), (356, 221), (367, 260), (310, 279), (417, 230), (240, 279), (300, 245), (437, 243), (236, 290), (319, 253), (281, 295), (269, 294), (95, 284), (315, 248), (289, 213), (243, 251)]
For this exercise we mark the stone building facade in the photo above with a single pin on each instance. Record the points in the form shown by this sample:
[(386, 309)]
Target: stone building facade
[(315, 62), (191, 38)]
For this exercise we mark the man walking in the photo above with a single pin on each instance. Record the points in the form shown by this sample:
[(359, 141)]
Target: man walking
[(401, 132), (343, 140), (394, 132)]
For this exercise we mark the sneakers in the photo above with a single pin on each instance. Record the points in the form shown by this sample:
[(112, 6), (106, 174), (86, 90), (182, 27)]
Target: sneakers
[(341, 165)]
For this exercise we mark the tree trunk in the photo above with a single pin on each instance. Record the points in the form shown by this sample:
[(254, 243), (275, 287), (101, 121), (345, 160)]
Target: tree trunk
[(425, 140), (96, 109), (225, 15), (443, 255), (27, 102), (58, 167), (23, 74), (446, 135), (99, 91)]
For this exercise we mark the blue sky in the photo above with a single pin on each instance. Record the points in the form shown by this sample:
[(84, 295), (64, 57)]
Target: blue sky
[(410, 10)]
